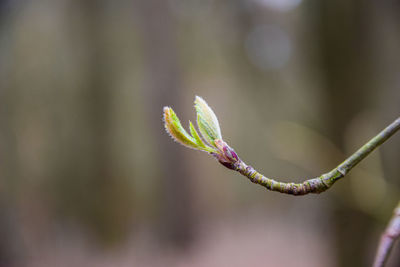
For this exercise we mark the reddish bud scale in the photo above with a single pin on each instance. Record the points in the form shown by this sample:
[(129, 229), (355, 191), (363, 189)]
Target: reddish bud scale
[(225, 155)]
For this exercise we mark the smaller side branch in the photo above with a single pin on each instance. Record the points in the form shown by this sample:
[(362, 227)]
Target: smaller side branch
[(391, 234)]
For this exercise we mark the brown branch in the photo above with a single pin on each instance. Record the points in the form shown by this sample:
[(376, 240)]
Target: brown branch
[(391, 234)]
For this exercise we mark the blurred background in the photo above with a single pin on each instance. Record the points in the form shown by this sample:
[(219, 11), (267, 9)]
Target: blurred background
[(88, 176)]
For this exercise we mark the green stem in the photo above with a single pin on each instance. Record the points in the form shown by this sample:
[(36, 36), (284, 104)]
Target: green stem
[(325, 181)]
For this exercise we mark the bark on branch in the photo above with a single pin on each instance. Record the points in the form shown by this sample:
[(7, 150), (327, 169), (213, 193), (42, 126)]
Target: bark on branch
[(323, 182), (388, 238)]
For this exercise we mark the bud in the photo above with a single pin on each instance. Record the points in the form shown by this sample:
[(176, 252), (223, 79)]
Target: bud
[(225, 154), (209, 129)]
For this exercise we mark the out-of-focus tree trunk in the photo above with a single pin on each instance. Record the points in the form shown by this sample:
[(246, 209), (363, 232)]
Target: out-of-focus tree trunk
[(88, 188), (10, 244), (164, 87), (343, 32), (97, 101), (9, 180), (386, 40)]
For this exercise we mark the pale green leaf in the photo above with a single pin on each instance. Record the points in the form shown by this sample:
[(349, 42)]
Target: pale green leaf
[(177, 132), (196, 136), (207, 121)]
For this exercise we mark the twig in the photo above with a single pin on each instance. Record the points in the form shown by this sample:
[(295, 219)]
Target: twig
[(388, 238), (209, 128), (325, 181)]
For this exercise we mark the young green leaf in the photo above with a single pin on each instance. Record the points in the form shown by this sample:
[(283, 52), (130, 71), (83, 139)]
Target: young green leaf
[(207, 121), (174, 127), (199, 142), (177, 132)]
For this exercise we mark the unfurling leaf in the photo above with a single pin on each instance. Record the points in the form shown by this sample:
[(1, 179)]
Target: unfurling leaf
[(196, 136), (207, 121), (174, 127)]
